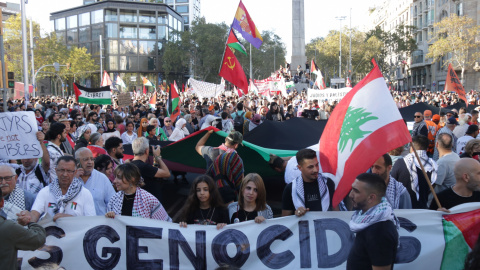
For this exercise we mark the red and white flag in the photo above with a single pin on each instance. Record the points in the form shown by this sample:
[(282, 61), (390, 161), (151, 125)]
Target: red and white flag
[(349, 83), (365, 125)]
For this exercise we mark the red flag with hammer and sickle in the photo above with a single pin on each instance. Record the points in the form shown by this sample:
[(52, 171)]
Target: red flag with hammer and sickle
[(232, 71)]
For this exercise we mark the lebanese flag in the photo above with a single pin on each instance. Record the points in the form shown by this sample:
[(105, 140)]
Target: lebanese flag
[(153, 101), (365, 125)]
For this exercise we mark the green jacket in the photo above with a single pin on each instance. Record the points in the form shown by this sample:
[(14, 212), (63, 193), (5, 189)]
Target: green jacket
[(14, 237)]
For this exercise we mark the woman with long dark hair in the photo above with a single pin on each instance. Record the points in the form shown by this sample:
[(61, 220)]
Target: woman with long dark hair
[(204, 205)]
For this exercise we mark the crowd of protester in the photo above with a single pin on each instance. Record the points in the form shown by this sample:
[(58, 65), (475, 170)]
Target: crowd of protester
[(83, 170)]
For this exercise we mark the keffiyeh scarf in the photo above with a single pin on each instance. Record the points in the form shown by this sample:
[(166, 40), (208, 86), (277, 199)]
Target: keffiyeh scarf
[(145, 205), (380, 212), (412, 164), (62, 200), (394, 191), (14, 204), (298, 192)]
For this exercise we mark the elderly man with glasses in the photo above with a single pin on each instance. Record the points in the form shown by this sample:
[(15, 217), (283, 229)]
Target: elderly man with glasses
[(64, 197), (419, 127), (16, 199)]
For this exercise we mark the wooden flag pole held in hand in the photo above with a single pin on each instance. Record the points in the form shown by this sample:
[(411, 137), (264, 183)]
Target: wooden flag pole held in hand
[(426, 177)]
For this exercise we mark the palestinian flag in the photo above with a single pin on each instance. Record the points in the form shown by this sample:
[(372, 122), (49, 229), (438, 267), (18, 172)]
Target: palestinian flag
[(173, 102), (234, 44), (365, 125), (319, 82), (93, 95), (153, 101), (181, 155), (461, 233), (146, 82)]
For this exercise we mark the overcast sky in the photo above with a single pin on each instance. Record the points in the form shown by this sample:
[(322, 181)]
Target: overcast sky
[(273, 15)]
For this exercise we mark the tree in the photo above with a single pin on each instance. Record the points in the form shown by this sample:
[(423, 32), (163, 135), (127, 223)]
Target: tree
[(454, 38), (81, 63)]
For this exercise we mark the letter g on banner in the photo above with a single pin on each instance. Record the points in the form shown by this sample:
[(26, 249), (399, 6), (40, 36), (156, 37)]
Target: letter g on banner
[(90, 248)]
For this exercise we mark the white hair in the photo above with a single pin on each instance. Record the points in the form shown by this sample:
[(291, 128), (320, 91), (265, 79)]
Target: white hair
[(139, 146), (5, 166)]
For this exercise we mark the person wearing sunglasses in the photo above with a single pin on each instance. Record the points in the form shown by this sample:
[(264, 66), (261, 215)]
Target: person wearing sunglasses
[(419, 127)]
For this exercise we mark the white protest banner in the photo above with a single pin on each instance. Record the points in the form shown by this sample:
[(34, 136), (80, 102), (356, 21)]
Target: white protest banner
[(318, 240), (205, 89), (18, 139), (328, 94)]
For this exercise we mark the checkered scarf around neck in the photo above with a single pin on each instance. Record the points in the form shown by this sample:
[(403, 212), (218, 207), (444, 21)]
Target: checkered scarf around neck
[(145, 205), (230, 165), (62, 200), (298, 192), (412, 163), (394, 191), (17, 198), (380, 212)]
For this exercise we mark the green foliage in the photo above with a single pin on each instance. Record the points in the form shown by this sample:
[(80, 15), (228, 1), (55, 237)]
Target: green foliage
[(454, 38)]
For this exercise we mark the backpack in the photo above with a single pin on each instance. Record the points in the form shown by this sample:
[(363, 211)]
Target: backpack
[(38, 174), (238, 122)]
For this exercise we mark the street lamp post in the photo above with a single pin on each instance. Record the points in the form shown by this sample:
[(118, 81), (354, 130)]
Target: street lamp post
[(24, 51), (31, 52), (340, 18)]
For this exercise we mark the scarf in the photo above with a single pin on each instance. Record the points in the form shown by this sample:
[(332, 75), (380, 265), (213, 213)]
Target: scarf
[(62, 200), (145, 205), (226, 149), (14, 203), (298, 192), (394, 191), (412, 165), (380, 212)]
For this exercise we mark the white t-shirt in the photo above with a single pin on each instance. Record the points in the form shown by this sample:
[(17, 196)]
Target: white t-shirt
[(81, 205), (462, 142)]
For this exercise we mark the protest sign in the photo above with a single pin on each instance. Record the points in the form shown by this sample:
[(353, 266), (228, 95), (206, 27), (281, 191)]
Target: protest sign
[(328, 94), (18, 139), (318, 240), (124, 99)]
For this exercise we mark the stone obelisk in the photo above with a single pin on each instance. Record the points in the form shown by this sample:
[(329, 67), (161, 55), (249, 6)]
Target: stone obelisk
[(298, 36)]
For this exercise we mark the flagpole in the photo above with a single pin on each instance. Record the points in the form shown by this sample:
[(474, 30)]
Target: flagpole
[(426, 177), (251, 76)]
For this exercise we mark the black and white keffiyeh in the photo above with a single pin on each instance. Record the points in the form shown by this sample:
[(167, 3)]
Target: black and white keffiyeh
[(394, 191), (17, 198), (298, 192), (412, 164), (380, 212), (62, 200)]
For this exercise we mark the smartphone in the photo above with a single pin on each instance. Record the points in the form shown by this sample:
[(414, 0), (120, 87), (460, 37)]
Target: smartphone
[(79, 165)]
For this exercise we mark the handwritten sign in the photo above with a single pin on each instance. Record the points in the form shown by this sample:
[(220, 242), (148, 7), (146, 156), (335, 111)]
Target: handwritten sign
[(18, 138), (124, 99), (328, 94)]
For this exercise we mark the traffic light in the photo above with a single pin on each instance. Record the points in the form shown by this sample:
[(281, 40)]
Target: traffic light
[(11, 80)]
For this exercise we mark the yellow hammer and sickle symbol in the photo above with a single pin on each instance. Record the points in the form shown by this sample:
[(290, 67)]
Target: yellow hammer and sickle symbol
[(230, 64)]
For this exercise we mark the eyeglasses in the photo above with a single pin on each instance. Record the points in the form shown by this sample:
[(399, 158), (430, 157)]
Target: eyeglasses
[(7, 178), (87, 159), (63, 171), (168, 121), (79, 118), (417, 116)]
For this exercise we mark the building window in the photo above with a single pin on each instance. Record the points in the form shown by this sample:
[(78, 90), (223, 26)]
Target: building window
[(97, 30), (87, 45), (460, 9), (72, 36), (161, 19), (185, 20), (111, 30), (128, 63), (181, 9), (128, 32), (128, 16), (182, 1), (147, 17), (112, 63), (128, 47), (147, 63), (170, 20), (161, 32), (60, 24), (111, 15), (84, 34), (147, 47), (169, 1), (72, 21), (113, 46), (147, 32), (84, 19), (97, 16), (61, 35)]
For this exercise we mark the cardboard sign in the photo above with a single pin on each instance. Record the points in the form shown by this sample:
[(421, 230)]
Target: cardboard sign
[(124, 99), (18, 139)]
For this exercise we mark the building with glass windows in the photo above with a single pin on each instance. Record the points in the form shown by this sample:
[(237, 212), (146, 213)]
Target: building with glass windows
[(132, 36)]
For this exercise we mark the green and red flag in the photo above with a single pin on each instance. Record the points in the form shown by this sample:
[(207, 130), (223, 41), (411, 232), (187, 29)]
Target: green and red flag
[(173, 102), (234, 44), (360, 124), (232, 71), (153, 101), (146, 82), (99, 96), (461, 233)]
